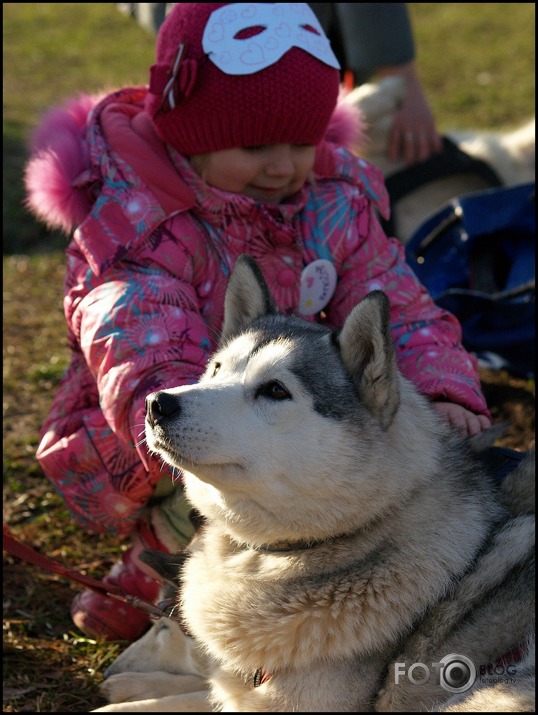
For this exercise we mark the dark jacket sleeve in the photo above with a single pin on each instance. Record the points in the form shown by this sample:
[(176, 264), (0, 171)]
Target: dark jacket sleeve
[(366, 36)]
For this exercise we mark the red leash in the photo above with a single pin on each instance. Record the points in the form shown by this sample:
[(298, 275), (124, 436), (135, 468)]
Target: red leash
[(21, 551), (164, 609)]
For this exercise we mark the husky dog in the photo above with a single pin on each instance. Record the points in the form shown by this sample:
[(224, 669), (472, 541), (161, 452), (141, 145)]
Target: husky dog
[(355, 554), (510, 154)]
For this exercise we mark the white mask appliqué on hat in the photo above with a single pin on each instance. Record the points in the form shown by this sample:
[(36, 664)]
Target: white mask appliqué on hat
[(280, 27)]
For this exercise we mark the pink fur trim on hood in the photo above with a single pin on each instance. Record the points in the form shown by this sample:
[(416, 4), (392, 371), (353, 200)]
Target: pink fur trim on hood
[(347, 126), (57, 181), (54, 175)]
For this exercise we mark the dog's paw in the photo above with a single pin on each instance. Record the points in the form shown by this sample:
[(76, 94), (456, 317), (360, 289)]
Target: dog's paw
[(186, 703), (124, 687)]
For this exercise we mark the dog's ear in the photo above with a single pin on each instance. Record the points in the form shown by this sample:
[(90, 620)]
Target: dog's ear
[(247, 297), (369, 356)]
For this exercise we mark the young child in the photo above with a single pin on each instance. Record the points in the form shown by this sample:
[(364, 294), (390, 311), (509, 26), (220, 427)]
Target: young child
[(233, 148)]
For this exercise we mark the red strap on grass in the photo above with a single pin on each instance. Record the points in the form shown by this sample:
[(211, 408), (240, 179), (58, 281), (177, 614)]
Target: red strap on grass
[(21, 551)]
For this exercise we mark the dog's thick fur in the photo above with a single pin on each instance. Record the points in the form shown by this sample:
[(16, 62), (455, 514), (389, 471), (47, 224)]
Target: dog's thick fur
[(348, 528), (510, 154)]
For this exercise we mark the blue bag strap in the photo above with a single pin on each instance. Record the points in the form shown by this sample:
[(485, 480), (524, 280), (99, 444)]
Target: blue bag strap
[(480, 213), (498, 209)]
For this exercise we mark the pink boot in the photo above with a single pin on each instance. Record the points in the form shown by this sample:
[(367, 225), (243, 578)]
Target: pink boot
[(102, 617)]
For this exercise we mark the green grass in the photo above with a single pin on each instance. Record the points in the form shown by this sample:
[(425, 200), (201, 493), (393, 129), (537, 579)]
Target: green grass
[(476, 62), (52, 51)]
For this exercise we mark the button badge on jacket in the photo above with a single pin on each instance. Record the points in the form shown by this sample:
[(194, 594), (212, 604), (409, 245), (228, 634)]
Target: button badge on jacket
[(318, 281)]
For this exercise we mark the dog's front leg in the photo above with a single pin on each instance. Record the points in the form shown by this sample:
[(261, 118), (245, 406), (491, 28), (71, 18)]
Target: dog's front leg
[(130, 691), (187, 703)]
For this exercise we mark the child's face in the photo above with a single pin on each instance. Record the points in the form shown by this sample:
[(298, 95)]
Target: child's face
[(269, 174)]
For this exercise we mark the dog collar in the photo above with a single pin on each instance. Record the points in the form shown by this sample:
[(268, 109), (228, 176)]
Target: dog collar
[(304, 544), (299, 545), (284, 546)]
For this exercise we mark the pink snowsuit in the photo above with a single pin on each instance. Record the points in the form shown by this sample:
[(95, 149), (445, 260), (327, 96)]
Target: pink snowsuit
[(146, 275)]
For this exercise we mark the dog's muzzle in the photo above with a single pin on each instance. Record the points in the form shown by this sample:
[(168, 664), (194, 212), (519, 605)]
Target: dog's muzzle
[(160, 406)]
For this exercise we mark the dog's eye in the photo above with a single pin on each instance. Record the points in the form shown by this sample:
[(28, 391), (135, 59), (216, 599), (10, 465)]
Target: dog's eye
[(216, 368), (274, 390)]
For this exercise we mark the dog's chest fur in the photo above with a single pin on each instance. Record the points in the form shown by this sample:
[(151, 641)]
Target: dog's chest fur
[(269, 616), (297, 614)]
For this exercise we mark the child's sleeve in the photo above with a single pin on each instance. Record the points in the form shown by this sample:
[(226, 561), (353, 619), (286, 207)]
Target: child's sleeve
[(139, 331)]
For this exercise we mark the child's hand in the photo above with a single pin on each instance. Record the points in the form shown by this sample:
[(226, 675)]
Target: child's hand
[(464, 420)]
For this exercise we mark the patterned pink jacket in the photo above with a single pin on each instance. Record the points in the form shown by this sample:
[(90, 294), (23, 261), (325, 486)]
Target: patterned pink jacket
[(146, 274)]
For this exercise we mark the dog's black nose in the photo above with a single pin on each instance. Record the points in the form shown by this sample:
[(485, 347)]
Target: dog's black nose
[(160, 405)]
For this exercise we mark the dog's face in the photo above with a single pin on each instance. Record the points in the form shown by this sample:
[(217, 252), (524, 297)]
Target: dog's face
[(266, 411), (281, 424)]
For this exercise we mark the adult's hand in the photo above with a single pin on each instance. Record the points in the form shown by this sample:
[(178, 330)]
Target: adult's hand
[(414, 136)]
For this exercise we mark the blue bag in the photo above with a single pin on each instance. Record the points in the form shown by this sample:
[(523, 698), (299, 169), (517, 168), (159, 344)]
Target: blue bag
[(476, 257)]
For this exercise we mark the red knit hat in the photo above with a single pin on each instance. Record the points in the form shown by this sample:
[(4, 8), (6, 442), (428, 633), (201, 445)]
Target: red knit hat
[(249, 74)]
